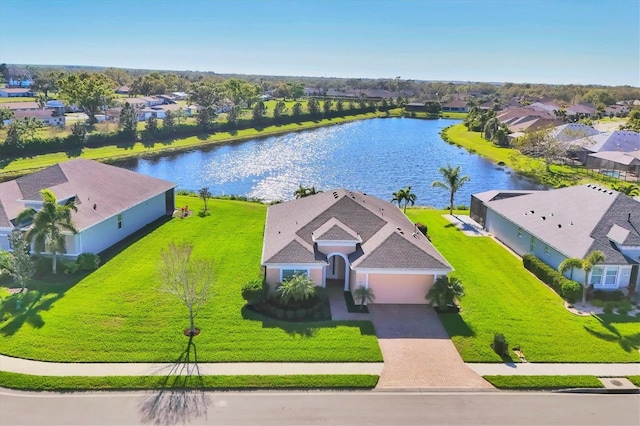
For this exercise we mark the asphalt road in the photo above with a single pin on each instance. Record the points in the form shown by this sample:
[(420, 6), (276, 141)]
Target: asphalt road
[(317, 408)]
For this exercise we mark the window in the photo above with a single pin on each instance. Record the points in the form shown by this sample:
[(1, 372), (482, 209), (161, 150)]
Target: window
[(519, 232), (120, 221), (290, 273), (596, 275), (611, 276), (532, 246), (547, 251)]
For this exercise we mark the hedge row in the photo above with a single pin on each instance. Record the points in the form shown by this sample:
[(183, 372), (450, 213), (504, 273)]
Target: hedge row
[(565, 287)]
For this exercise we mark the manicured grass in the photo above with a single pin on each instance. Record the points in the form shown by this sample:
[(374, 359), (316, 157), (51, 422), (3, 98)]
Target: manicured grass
[(544, 382), (18, 99), (635, 380), (117, 313), (502, 297), (460, 115), (558, 176), (79, 383), (11, 167)]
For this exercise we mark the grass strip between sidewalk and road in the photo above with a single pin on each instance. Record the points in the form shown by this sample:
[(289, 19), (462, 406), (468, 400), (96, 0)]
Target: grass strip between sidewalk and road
[(635, 380), (79, 383), (543, 382)]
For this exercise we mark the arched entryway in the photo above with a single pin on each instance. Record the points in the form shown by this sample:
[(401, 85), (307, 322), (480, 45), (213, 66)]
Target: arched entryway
[(338, 268)]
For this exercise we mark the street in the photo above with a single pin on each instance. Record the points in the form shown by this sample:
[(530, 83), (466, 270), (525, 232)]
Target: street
[(316, 408)]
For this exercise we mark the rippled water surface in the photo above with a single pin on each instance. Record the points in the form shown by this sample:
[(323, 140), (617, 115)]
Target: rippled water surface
[(376, 156)]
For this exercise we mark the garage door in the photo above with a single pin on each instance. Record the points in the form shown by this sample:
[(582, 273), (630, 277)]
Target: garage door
[(401, 289)]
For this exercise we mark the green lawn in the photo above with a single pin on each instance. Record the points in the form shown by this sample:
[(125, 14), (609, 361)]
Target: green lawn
[(502, 297), (78, 383), (12, 167), (117, 314), (544, 382)]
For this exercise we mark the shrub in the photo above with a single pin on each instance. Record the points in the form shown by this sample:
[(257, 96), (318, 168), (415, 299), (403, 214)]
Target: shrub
[(571, 291), (608, 307), (500, 345), (69, 266), (296, 289), (624, 307), (608, 296), (422, 228), (254, 291), (550, 276), (88, 261), (43, 265)]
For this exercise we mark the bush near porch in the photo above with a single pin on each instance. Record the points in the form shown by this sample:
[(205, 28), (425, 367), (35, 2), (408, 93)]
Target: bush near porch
[(116, 314), (502, 297)]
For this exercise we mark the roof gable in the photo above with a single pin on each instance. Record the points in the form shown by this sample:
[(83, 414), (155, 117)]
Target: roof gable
[(396, 252)]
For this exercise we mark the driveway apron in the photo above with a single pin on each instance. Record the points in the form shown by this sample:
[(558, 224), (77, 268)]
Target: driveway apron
[(417, 351)]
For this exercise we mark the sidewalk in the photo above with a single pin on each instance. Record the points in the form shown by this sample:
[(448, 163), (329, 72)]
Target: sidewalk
[(39, 368), (544, 369)]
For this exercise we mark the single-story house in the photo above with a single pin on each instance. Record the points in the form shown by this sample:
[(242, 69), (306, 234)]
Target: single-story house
[(620, 165), (617, 140), (585, 110), (414, 106), (15, 93), (350, 239), (455, 106), (180, 96), (568, 223), (112, 202), (48, 117), (572, 131), (20, 106), (122, 90)]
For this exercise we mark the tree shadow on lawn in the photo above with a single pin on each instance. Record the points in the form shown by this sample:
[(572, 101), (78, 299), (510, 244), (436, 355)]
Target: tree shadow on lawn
[(181, 397), (306, 329), (5, 163), (629, 342), (41, 294), (455, 325)]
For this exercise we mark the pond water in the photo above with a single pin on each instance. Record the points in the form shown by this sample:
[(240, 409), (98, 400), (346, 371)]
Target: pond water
[(376, 156)]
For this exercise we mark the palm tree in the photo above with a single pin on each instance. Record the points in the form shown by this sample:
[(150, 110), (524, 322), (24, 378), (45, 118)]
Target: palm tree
[(452, 182), (409, 197), (627, 189), (586, 264), (364, 294), (445, 291), (398, 197), (49, 224), (304, 191)]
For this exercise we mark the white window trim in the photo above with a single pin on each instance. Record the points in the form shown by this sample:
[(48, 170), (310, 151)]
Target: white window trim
[(295, 269)]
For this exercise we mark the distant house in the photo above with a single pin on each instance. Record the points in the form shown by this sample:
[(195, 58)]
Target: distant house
[(20, 106), (621, 165), (180, 96), (144, 101), (122, 90), (414, 107), (48, 117), (582, 109), (617, 109), (350, 239), (618, 140), (112, 202), (21, 83), (455, 106), (160, 111), (15, 93), (568, 223), (572, 131)]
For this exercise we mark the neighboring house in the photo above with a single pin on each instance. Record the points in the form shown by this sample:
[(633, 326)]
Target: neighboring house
[(122, 90), (160, 111), (618, 140), (353, 239), (617, 109), (455, 106), (414, 106), (568, 223), (20, 106), (112, 202), (180, 96), (620, 165), (48, 117), (142, 102), (19, 82), (15, 93), (582, 109), (572, 131)]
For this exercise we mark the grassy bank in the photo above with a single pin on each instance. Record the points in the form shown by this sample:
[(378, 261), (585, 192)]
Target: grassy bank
[(12, 167), (560, 175), (502, 297), (117, 313), (80, 383), (543, 382)]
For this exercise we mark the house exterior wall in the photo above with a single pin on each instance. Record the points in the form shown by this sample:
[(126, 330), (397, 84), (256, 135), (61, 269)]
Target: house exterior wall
[(106, 233), (4, 240), (400, 288), (273, 273)]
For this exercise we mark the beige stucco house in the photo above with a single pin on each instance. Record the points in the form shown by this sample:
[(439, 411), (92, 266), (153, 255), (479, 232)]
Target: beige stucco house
[(348, 238)]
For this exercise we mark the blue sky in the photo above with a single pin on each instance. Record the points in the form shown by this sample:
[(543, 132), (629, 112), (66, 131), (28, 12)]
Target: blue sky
[(535, 41)]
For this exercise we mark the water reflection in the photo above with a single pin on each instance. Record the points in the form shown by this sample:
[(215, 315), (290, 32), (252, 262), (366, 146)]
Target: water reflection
[(375, 156)]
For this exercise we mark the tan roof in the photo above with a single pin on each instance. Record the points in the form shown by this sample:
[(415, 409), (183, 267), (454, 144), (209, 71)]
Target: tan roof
[(110, 189), (387, 235), (14, 106)]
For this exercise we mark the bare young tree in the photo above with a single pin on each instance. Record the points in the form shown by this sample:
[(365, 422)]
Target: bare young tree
[(186, 278), (542, 144)]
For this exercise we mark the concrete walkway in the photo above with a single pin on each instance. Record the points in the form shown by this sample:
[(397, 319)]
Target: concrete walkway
[(39, 368), (557, 369)]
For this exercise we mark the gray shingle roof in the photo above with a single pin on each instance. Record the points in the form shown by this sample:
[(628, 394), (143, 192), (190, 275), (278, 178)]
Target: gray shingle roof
[(111, 189), (386, 233), (575, 220)]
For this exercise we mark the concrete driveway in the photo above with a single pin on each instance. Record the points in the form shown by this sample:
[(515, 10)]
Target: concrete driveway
[(417, 351)]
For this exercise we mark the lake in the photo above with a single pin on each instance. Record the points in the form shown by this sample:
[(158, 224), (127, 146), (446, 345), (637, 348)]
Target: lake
[(376, 156)]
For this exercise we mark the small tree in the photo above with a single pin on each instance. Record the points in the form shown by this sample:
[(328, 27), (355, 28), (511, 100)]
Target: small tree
[(296, 111), (169, 122), (445, 291), (151, 126), (233, 115), (296, 289), (188, 279), (128, 122), (304, 191), (205, 195), (364, 294), (452, 182), (586, 264), (259, 112), (21, 268)]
